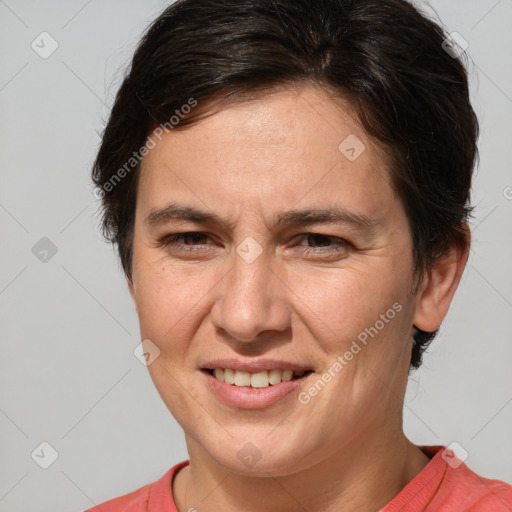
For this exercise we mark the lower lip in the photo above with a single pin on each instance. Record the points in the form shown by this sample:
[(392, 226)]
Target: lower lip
[(245, 397)]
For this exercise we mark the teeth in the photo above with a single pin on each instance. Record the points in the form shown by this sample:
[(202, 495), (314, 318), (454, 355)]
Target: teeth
[(229, 376), (287, 375), (242, 378), (261, 379), (274, 376)]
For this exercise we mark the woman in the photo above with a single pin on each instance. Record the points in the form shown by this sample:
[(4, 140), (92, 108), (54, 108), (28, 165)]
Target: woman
[(287, 183)]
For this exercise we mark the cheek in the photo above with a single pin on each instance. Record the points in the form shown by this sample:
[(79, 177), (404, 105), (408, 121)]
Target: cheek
[(167, 312), (335, 306), (166, 303), (361, 321), (344, 304)]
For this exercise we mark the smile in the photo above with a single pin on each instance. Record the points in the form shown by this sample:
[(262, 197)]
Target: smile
[(260, 379)]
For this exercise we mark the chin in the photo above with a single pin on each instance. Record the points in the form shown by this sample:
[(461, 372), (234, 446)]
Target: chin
[(256, 456)]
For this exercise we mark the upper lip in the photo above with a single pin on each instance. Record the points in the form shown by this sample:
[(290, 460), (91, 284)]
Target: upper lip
[(254, 366)]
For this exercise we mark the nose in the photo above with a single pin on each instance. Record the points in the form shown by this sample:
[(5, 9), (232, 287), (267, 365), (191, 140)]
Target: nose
[(251, 305)]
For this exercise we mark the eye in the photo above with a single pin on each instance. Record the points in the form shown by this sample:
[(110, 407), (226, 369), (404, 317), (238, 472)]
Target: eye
[(323, 243), (195, 241), (191, 241)]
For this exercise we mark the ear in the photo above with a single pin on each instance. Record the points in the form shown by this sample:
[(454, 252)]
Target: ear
[(438, 288)]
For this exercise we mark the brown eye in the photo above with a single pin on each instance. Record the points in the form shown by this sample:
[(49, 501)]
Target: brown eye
[(315, 241), (190, 241)]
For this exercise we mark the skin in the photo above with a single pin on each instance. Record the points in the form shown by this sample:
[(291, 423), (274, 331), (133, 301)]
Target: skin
[(302, 300)]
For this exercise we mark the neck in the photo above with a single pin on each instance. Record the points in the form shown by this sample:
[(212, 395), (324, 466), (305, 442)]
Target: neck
[(368, 476)]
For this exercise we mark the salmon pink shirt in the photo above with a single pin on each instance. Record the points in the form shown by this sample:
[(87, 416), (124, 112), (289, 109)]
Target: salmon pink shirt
[(439, 487)]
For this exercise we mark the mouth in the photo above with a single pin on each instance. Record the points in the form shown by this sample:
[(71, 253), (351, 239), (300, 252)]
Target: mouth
[(255, 383), (260, 379)]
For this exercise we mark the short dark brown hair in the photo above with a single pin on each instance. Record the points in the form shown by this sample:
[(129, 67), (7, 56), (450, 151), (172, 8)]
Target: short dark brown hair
[(385, 57)]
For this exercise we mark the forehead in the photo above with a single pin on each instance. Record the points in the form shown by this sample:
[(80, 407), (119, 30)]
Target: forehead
[(291, 145)]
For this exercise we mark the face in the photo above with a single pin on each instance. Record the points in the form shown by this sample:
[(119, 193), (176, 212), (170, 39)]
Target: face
[(268, 237)]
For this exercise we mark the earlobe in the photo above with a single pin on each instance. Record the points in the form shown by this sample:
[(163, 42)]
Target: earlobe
[(439, 286)]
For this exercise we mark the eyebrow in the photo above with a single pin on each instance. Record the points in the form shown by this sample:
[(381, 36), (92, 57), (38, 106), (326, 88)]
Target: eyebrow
[(300, 217)]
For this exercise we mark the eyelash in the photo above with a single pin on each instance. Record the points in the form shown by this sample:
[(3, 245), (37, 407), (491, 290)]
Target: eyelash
[(171, 241)]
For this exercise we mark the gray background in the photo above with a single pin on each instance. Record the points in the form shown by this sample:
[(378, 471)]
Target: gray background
[(68, 373)]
